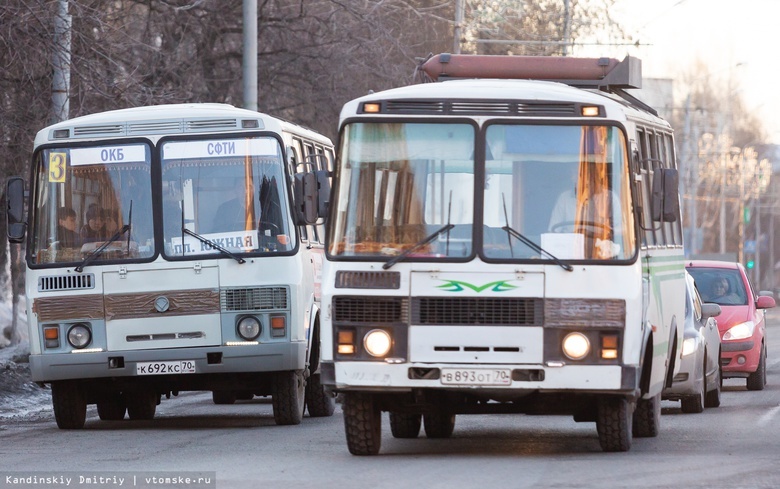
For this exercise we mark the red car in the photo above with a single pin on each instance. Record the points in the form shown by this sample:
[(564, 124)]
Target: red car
[(741, 323)]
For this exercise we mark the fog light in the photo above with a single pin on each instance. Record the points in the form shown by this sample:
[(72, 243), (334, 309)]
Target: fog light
[(248, 328), (576, 346), (79, 335), (741, 359), (377, 342)]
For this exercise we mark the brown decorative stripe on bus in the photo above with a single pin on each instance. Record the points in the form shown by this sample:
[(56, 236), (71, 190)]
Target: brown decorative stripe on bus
[(68, 308), (179, 303)]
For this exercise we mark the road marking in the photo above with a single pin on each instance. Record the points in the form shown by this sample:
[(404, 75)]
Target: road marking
[(768, 416)]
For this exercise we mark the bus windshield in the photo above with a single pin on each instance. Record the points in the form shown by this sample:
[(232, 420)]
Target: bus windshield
[(229, 192), (563, 187), (84, 196), (401, 182)]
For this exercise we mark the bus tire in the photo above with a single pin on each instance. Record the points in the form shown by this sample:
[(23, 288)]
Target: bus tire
[(439, 425), (362, 423), (141, 406), (614, 424), (112, 408), (647, 417), (70, 406), (405, 425), (319, 402), (288, 391), (223, 397), (757, 380)]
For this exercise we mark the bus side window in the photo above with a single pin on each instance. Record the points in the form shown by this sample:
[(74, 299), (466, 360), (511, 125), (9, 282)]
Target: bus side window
[(672, 158)]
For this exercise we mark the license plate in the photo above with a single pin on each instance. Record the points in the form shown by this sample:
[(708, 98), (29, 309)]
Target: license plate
[(161, 368), (476, 376)]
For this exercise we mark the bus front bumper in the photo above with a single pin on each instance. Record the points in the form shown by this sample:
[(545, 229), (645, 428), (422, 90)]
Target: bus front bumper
[(268, 357)]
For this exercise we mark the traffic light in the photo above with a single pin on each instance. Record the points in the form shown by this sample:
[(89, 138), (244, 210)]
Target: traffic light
[(750, 260), (750, 264)]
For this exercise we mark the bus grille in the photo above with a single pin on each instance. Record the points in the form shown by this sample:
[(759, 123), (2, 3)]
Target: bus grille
[(253, 299), (365, 309), (66, 282), (470, 311), (481, 107)]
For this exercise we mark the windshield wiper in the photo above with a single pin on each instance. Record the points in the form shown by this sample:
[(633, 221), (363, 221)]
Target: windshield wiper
[(99, 251), (537, 248), (389, 263), (510, 232), (213, 245)]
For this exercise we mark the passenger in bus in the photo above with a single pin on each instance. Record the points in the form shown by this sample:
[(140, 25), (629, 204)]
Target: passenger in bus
[(231, 214), (66, 228), (93, 230), (110, 225)]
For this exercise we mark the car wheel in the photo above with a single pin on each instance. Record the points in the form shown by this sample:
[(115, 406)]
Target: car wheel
[(712, 398), (757, 380)]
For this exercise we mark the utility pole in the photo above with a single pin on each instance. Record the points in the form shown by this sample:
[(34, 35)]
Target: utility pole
[(250, 54), (566, 26), (458, 26), (60, 90)]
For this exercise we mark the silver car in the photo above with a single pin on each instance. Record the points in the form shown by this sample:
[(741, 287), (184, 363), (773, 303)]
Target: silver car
[(698, 383)]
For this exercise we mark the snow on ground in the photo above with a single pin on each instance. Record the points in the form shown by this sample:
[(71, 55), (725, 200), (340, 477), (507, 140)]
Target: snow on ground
[(20, 397)]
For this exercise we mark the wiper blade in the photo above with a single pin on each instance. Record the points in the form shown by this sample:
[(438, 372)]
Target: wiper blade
[(389, 263), (99, 251), (537, 248), (213, 245)]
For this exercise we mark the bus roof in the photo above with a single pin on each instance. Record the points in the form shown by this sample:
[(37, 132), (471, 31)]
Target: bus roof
[(498, 90), (159, 120)]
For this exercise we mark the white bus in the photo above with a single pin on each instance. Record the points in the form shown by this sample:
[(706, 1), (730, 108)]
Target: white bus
[(503, 245), (173, 248)]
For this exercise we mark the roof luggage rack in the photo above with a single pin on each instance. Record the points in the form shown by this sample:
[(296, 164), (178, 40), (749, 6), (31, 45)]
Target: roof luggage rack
[(605, 74)]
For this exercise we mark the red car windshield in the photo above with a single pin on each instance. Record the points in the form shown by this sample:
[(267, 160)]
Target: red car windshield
[(720, 285)]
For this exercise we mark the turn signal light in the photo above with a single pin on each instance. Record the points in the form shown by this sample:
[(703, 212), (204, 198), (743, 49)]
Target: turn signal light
[(346, 342), (51, 336), (609, 347)]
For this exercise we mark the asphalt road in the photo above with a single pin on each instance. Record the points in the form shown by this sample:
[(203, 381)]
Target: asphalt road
[(734, 446)]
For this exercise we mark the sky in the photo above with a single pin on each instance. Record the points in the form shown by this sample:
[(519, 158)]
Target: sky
[(737, 39)]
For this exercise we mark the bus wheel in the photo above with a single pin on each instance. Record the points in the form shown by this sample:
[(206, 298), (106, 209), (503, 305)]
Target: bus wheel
[(614, 424), (141, 405), (647, 417), (319, 401), (112, 408), (288, 397), (362, 423), (223, 397), (70, 406), (405, 425), (439, 425)]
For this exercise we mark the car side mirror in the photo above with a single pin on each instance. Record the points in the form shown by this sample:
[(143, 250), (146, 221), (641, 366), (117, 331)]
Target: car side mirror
[(765, 302), (709, 310)]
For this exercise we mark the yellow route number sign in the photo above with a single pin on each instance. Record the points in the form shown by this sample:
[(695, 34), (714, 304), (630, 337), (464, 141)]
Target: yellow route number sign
[(57, 167)]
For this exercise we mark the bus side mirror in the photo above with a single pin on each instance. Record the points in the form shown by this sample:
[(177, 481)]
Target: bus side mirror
[(306, 200), (15, 211), (666, 201), (323, 192)]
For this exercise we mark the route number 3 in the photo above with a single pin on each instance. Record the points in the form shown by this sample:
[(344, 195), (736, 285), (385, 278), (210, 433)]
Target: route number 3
[(57, 167)]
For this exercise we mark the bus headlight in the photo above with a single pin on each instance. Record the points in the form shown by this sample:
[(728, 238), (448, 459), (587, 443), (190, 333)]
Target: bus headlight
[(377, 342), (248, 328), (79, 335), (576, 346)]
